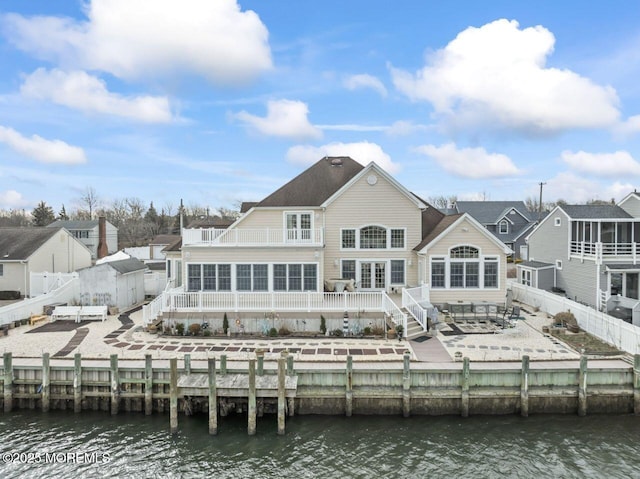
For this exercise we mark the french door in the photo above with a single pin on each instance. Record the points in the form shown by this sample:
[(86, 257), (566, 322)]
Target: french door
[(373, 275)]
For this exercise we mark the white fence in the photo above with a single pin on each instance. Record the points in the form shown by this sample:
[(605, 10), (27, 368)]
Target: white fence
[(66, 293), (154, 283), (612, 330), (43, 283)]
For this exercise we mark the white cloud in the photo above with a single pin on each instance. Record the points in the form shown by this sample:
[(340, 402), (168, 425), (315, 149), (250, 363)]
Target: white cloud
[(11, 199), (285, 118), (44, 151), (363, 152), (404, 128), (355, 82), (630, 126), (619, 163), (139, 38), (470, 162), (576, 189), (495, 77), (87, 93)]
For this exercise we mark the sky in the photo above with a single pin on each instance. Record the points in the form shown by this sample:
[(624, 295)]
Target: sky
[(216, 102)]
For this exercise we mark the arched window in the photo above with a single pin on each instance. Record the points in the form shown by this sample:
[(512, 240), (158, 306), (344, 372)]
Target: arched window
[(503, 227), (464, 252), (373, 237)]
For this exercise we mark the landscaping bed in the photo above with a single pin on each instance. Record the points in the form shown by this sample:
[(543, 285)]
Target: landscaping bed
[(584, 341)]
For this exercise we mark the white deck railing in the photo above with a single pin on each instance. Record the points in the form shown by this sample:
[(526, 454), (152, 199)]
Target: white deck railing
[(206, 301), (416, 301), (598, 250), (253, 237)]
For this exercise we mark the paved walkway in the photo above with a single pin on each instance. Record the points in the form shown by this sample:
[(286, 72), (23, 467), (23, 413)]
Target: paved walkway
[(431, 350)]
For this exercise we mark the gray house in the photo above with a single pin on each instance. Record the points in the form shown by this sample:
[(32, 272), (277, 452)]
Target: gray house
[(115, 284), (509, 221), (88, 233), (593, 252)]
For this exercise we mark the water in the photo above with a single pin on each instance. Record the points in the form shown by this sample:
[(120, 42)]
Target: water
[(327, 447)]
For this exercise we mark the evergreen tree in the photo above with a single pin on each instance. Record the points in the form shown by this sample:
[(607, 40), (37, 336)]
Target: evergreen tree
[(42, 214), (62, 215)]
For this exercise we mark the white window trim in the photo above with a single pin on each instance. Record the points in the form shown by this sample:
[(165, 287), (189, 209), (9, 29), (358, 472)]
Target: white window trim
[(558, 264), (388, 234), (481, 259), (503, 223), (557, 221), (391, 283)]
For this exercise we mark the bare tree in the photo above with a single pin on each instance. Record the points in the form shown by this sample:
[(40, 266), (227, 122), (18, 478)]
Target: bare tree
[(442, 201), (89, 200)]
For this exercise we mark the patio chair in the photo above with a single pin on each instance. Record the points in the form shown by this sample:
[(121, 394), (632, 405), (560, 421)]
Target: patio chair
[(508, 318)]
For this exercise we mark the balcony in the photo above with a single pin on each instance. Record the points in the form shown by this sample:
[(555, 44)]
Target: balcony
[(252, 237), (599, 251)]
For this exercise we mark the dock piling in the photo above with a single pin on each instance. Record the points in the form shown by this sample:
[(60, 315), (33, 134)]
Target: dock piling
[(348, 409), (8, 382), (223, 364), (251, 409), (173, 395), (406, 385), (187, 363), (464, 403), (260, 356), (524, 387), (148, 384), (281, 396), (115, 384), (213, 398), (77, 383), (582, 387), (46, 382)]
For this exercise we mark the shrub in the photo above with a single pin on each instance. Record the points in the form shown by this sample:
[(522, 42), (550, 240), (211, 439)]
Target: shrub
[(568, 320), (206, 333), (180, 329), (194, 329), (377, 331), (323, 325), (283, 331), (225, 323), (273, 332), (368, 331), (399, 330), (337, 333)]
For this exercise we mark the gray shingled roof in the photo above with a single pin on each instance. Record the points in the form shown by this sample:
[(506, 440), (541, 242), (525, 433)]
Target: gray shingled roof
[(594, 212), (164, 239), (20, 243), (316, 184), (489, 212), (74, 225), (442, 225), (125, 266)]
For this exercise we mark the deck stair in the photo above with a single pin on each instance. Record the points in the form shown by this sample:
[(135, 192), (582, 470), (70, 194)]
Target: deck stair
[(414, 329)]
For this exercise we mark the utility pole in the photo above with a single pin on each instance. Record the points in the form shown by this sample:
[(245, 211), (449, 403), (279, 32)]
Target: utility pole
[(540, 203), (182, 221)]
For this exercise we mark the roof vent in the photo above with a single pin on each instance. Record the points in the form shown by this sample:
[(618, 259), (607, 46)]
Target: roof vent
[(337, 161)]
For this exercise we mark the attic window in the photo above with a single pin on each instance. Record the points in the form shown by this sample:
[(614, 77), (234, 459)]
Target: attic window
[(503, 227), (557, 222), (1, 270)]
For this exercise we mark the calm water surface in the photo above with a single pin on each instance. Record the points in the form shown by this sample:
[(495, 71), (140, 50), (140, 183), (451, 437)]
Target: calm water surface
[(361, 447)]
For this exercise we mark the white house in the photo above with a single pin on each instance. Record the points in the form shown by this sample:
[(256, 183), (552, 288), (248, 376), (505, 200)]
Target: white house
[(88, 232)]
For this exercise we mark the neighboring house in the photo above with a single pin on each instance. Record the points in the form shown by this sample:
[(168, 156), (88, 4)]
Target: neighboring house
[(154, 252), (88, 232), (173, 255), (339, 220), (589, 252), (115, 283), (509, 221), (36, 250)]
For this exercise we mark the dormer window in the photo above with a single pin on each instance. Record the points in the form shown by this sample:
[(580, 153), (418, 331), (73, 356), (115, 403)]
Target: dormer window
[(503, 227)]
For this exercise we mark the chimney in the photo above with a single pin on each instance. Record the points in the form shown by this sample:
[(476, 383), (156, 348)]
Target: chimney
[(102, 237)]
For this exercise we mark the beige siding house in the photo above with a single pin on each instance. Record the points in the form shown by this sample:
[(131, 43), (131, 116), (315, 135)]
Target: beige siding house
[(342, 225), (34, 250)]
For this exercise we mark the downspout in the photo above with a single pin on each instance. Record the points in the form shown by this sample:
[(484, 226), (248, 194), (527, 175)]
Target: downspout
[(26, 271)]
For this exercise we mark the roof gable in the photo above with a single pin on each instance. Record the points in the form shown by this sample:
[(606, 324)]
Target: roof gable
[(367, 170), (450, 222), (20, 243), (595, 212)]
